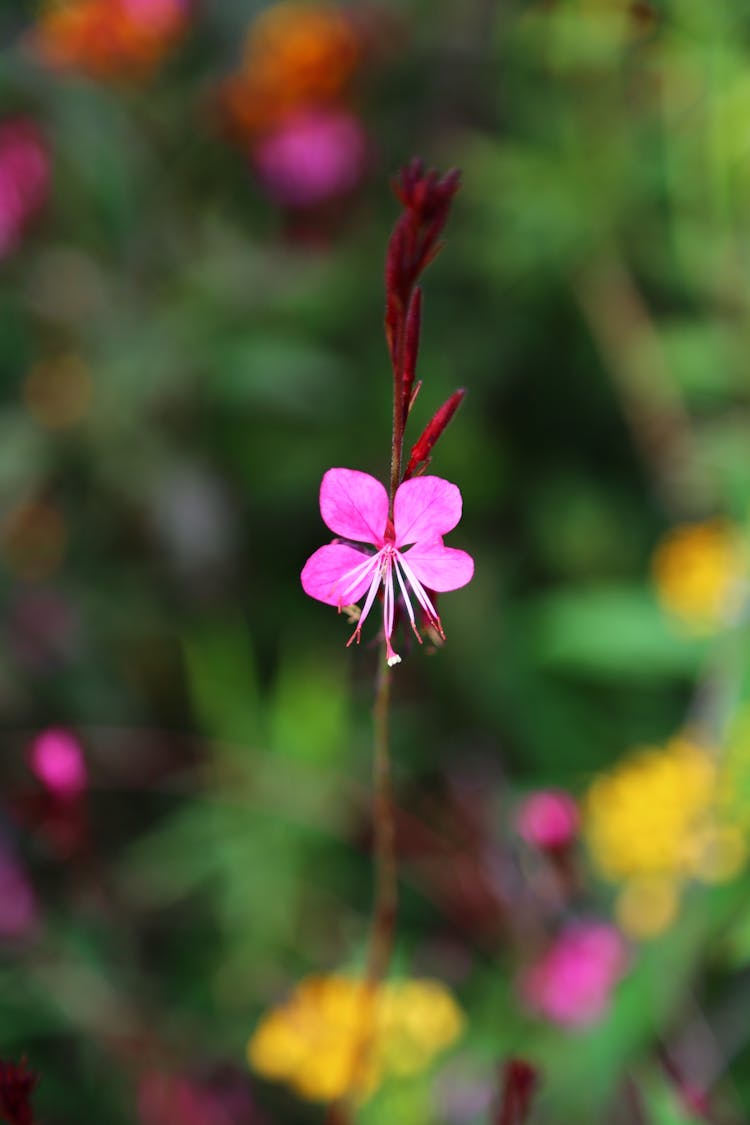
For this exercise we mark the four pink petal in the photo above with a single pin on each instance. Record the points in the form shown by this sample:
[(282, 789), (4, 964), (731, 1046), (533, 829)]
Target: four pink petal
[(323, 575), (438, 567), (354, 504), (425, 508)]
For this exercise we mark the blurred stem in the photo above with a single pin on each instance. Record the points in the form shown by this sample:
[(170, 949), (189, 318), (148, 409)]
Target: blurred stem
[(386, 892), (383, 924), (629, 343)]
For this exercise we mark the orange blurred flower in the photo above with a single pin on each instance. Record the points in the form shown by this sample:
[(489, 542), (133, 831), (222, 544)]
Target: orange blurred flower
[(57, 391), (33, 540), (296, 56), (109, 38)]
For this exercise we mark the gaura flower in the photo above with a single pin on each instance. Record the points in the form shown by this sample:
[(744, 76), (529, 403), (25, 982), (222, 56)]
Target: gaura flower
[(409, 547)]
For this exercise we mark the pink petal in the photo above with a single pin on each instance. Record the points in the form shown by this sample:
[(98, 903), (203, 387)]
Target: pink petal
[(324, 574), (440, 568), (354, 504), (425, 508)]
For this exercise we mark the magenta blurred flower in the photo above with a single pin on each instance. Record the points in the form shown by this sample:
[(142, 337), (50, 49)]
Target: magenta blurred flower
[(355, 505), (313, 156), (164, 1099), (25, 172), (572, 982), (548, 819), (57, 760), (19, 911)]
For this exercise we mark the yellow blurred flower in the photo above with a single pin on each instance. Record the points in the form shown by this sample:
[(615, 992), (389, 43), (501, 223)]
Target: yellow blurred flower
[(641, 818), (699, 571), (647, 905), (334, 1037), (417, 1020), (659, 818)]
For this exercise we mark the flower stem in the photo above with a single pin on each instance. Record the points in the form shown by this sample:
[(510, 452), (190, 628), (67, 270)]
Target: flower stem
[(386, 889), (383, 924)]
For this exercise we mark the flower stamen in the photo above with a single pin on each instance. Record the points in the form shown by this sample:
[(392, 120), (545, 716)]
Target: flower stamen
[(407, 599), (421, 595), (353, 577), (376, 579)]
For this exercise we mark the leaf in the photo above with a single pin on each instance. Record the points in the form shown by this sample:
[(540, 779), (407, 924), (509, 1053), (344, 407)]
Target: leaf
[(606, 631)]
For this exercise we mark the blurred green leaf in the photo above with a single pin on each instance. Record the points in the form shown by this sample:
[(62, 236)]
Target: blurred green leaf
[(610, 631)]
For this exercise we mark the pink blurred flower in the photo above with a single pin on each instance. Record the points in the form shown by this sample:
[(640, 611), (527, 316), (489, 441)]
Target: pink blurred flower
[(313, 156), (572, 982), (19, 911), (57, 760), (164, 1099), (25, 172), (355, 505), (548, 819)]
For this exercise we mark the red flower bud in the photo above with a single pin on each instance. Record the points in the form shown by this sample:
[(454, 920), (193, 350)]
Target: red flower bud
[(420, 453)]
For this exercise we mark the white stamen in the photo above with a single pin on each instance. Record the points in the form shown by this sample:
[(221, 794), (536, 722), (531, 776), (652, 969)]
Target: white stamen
[(376, 579), (407, 599), (388, 599), (421, 594), (354, 576)]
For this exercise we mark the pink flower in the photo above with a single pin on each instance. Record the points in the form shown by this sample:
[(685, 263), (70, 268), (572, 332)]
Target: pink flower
[(409, 546), (163, 1098), (25, 174), (57, 760), (548, 819), (312, 157), (221, 1099), (571, 984)]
